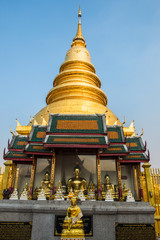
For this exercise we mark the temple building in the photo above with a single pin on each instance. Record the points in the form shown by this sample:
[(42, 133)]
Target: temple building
[(75, 145)]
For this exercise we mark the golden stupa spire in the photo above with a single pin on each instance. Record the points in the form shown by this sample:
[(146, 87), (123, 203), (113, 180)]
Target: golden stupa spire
[(76, 89), (79, 39)]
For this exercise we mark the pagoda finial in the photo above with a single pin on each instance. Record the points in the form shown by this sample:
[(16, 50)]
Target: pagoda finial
[(79, 39), (79, 14)]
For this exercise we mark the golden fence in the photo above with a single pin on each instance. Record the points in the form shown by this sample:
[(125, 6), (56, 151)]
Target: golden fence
[(151, 191)]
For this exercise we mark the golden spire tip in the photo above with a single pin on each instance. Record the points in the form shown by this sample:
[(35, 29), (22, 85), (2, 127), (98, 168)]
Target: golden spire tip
[(79, 37), (79, 13)]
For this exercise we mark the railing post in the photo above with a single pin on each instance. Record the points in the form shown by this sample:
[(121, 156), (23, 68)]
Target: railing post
[(148, 180)]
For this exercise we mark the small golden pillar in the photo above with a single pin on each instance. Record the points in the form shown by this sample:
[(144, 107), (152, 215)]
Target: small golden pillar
[(12, 177), (140, 181), (136, 189), (52, 175), (119, 178), (99, 176), (9, 177), (148, 180), (17, 178), (33, 170), (6, 174)]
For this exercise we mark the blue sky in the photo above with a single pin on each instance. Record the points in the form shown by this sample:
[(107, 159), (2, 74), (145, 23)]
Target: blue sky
[(123, 38)]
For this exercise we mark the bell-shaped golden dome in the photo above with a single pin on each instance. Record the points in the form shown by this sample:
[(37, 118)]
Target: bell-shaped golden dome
[(76, 89)]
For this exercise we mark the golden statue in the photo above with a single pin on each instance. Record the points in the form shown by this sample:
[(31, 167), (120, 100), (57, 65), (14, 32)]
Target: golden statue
[(59, 192), (45, 184), (25, 192), (70, 194), (125, 192), (26, 188), (73, 225), (107, 186), (91, 192), (77, 183)]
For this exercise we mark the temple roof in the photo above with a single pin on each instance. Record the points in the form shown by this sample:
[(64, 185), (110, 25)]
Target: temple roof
[(115, 150), (84, 124), (76, 141), (17, 156), (39, 149), (115, 134), (135, 144), (77, 131), (135, 157), (17, 143), (37, 133)]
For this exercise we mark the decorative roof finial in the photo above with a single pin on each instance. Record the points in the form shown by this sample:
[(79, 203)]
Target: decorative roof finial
[(142, 133), (79, 39), (124, 120), (79, 14), (11, 131), (18, 124)]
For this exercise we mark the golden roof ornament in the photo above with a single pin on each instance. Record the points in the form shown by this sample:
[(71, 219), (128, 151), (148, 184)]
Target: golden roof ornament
[(30, 120), (142, 133), (79, 39), (124, 120), (116, 122), (11, 131), (44, 123), (34, 121), (129, 131), (22, 130), (18, 124), (107, 120)]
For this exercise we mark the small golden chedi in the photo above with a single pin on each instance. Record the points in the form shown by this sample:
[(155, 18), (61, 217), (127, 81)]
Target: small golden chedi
[(73, 225)]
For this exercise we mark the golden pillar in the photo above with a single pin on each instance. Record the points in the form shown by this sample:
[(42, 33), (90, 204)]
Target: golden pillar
[(33, 170), (12, 177), (9, 177), (52, 175), (135, 177), (119, 178), (17, 178), (148, 180), (7, 164), (99, 176), (140, 182)]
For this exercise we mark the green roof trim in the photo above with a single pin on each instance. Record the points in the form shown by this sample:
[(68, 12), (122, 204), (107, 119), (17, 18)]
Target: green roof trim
[(67, 123), (115, 134), (18, 142), (135, 144), (17, 155), (72, 139), (37, 148), (136, 156), (115, 149), (37, 133)]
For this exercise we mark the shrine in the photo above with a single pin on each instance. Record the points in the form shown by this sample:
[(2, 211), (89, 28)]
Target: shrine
[(76, 149)]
